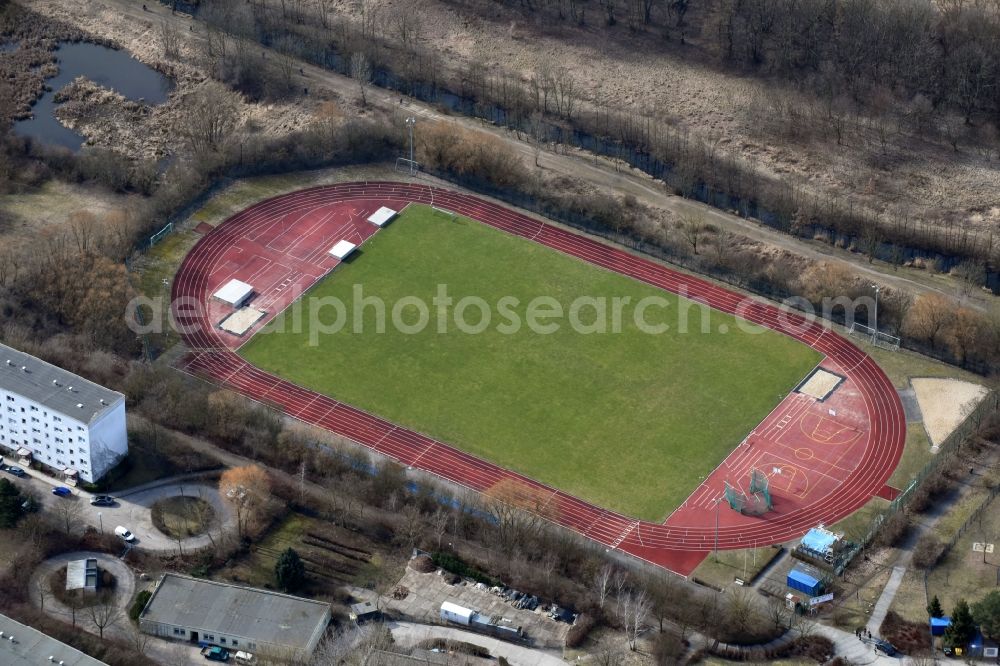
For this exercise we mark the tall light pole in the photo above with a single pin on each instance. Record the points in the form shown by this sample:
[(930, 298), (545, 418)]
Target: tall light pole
[(100, 520), (410, 122), (877, 289), (717, 502)]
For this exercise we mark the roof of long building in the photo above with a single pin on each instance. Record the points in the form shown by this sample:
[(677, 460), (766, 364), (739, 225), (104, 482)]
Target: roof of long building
[(31, 647), (57, 389), (222, 609)]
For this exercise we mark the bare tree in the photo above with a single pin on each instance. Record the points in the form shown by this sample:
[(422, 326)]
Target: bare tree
[(405, 20), (42, 588), (208, 118), (439, 522), (634, 608), (66, 515), (104, 614), (169, 39), (138, 638), (412, 527), (740, 611), (361, 71), (691, 229), (602, 583)]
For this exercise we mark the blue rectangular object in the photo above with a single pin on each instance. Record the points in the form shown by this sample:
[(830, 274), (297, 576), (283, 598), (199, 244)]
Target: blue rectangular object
[(819, 541), (939, 624), (804, 582)]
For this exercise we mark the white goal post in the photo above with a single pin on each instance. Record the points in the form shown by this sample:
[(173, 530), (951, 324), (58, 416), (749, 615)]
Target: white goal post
[(405, 165), (877, 338)]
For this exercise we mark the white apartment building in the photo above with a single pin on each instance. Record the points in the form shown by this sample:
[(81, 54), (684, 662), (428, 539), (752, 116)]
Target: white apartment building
[(59, 419)]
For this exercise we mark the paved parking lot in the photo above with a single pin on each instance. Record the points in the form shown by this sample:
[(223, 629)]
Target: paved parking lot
[(428, 591)]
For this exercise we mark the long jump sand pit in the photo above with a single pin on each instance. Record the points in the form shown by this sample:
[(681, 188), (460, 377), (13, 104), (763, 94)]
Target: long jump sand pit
[(820, 384), (945, 403)]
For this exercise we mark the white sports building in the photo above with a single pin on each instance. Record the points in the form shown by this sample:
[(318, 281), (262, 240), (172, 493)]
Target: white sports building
[(51, 416)]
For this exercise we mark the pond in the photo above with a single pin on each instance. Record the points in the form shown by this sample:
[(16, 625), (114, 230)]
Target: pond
[(112, 69)]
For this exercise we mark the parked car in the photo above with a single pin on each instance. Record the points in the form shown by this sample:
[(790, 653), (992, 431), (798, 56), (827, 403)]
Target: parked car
[(103, 500), (16, 471), (215, 653), (242, 657), (885, 647), (124, 534), (62, 491)]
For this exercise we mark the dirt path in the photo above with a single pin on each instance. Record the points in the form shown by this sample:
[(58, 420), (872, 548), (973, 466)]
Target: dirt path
[(594, 170)]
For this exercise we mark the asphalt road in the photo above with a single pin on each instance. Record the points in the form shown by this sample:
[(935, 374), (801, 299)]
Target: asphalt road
[(131, 510), (409, 634)]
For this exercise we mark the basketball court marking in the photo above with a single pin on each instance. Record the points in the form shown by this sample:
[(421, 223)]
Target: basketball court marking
[(825, 430)]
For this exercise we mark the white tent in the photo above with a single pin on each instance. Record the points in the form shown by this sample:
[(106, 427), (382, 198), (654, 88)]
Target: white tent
[(235, 293), (382, 216), (342, 249)]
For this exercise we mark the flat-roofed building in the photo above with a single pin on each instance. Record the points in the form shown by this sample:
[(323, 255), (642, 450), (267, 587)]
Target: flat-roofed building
[(263, 622), (21, 645), (82, 575), (54, 417)]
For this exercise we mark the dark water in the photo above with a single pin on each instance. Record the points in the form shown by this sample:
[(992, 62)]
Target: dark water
[(112, 69)]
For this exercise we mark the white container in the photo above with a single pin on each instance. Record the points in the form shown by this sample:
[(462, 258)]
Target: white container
[(454, 613)]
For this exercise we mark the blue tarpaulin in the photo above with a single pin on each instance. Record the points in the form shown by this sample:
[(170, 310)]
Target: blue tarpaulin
[(819, 540), (804, 581), (939, 624)]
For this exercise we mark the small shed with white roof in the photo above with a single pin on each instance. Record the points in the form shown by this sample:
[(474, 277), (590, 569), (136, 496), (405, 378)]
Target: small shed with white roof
[(382, 216), (342, 249), (234, 293)]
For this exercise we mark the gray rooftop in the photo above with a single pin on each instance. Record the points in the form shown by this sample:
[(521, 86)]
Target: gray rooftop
[(217, 608), (51, 386), (81, 574), (31, 647)]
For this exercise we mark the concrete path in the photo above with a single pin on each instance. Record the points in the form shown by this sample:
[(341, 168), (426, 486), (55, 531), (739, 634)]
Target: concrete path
[(885, 599), (408, 634)]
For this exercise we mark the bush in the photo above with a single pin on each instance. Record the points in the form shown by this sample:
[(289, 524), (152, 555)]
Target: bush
[(816, 648), (141, 599), (908, 637), (927, 552), (893, 529), (454, 564), (461, 647)]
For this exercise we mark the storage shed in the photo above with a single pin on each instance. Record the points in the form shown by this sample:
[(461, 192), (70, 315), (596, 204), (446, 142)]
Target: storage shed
[(939, 624), (804, 581), (365, 611), (382, 216), (234, 293), (454, 613), (342, 249)]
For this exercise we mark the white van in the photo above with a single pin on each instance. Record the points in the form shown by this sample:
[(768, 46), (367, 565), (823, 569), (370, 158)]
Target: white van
[(242, 657)]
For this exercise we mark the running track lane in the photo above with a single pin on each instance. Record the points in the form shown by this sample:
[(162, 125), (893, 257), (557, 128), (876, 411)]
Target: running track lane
[(676, 549)]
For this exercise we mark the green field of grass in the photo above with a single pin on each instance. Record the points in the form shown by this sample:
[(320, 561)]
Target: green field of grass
[(628, 420)]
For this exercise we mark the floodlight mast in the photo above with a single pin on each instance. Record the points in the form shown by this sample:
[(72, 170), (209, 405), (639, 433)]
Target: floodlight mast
[(877, 289), (717, 501), (410, 122)]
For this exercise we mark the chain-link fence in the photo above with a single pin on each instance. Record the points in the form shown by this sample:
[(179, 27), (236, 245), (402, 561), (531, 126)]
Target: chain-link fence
[(946, 454)]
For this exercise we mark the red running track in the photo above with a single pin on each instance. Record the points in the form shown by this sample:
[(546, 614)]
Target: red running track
[(683, 540)]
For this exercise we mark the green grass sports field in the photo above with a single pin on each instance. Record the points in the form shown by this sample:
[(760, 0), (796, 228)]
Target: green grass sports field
[(627, 420)]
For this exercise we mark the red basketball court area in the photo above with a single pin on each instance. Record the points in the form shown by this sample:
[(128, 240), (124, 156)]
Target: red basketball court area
[(824, 456)]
